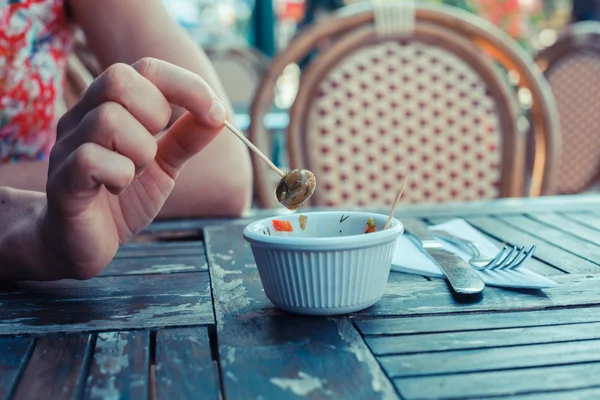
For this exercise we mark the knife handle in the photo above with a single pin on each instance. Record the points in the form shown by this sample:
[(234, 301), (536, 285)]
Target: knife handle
[(462, 278)]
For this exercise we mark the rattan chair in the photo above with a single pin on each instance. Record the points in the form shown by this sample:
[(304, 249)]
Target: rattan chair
[(240, 71), (415, 92), (572, 66)]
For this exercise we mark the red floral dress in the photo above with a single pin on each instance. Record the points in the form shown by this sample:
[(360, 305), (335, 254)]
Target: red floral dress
[(35, 42)]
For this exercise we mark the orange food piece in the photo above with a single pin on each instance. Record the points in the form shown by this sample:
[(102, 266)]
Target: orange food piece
[(370, 226), (282, 226)]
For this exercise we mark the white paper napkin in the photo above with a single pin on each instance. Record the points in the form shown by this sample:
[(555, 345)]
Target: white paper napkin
[(410, 258)]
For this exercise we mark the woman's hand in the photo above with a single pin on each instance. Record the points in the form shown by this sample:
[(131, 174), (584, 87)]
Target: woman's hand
[(109, 175)]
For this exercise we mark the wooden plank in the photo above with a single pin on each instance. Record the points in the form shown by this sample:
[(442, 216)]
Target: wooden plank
[(120, 366), (194, 223), (406, 344), (579, 394), (499, 383), (502, 206), (477, 321), (590, 220), (453, 362), (562, 223), (266, 353), (435, 297), (184, 366), (105, 303), (546, 252), (161, 249), (581, 248), (533, 263), (14, 354), (475, 208), (155, 265), (411, 277), (57, 369)]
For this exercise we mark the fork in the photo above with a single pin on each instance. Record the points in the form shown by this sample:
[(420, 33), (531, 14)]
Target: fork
[(507, 258)]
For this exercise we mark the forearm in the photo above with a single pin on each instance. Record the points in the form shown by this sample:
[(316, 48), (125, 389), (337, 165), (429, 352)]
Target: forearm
[(21, 245), (218, 181), (150, 32), (25, 175)]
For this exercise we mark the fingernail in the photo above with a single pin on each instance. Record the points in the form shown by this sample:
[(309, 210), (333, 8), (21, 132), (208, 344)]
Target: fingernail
[(217, 113), (139, 172)]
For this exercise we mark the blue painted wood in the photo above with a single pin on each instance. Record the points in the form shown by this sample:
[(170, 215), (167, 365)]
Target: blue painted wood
[(435, 297), (14, 353), (105, 303), (500, 383), (556, 237), (267, 353), (120, 367), (567, 225), (499, 358), (577, 394), (156, 265), (159, 249), (479, 321), (420, 343), (184, 365), (589, 219), (562, 204), (57, 369)]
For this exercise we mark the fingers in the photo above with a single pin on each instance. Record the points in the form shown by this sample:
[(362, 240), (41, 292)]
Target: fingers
[(122, 84), (111, 126), (86, 170), (185, 89), (126, 105), (184, 139), (145, 90)]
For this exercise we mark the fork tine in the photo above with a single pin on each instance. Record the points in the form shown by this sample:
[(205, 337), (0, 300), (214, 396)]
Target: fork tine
[(526, 257), (502, 262), (508, 264), (494, 261), (516, 260)]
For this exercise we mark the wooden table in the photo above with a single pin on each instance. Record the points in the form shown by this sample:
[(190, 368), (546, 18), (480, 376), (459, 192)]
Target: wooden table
[(187, 318)]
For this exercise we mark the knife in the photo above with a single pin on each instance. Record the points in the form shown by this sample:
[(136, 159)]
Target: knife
[(462, 277)]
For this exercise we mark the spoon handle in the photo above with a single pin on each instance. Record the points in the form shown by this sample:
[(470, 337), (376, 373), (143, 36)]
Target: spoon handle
[(252, 147)]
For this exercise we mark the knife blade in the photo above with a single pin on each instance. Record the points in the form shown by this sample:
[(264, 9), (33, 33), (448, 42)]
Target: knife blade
[(462, 277)]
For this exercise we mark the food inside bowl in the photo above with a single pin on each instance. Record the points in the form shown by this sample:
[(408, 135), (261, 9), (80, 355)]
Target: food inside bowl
[(282, 226), (370, 226), (285, 227)]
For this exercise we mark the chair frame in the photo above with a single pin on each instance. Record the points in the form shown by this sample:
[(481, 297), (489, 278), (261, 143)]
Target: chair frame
[(579, 37), (480, 33), (251, 59)]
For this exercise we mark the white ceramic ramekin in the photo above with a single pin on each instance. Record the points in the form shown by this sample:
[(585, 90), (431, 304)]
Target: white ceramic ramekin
[(331, 267)]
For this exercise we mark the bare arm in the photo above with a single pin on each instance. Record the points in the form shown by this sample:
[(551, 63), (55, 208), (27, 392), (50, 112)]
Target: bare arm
[(21, 251), (25, 175), (218, 181)]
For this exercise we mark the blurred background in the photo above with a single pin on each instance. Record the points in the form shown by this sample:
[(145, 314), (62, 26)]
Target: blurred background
[(270, 25), (243, 37)]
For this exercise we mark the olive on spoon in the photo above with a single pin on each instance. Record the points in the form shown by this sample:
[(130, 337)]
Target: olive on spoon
[(294, 188)]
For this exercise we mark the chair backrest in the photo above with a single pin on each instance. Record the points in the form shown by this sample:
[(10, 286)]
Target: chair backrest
[(572, 66), (240, 71), (426, 102)]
